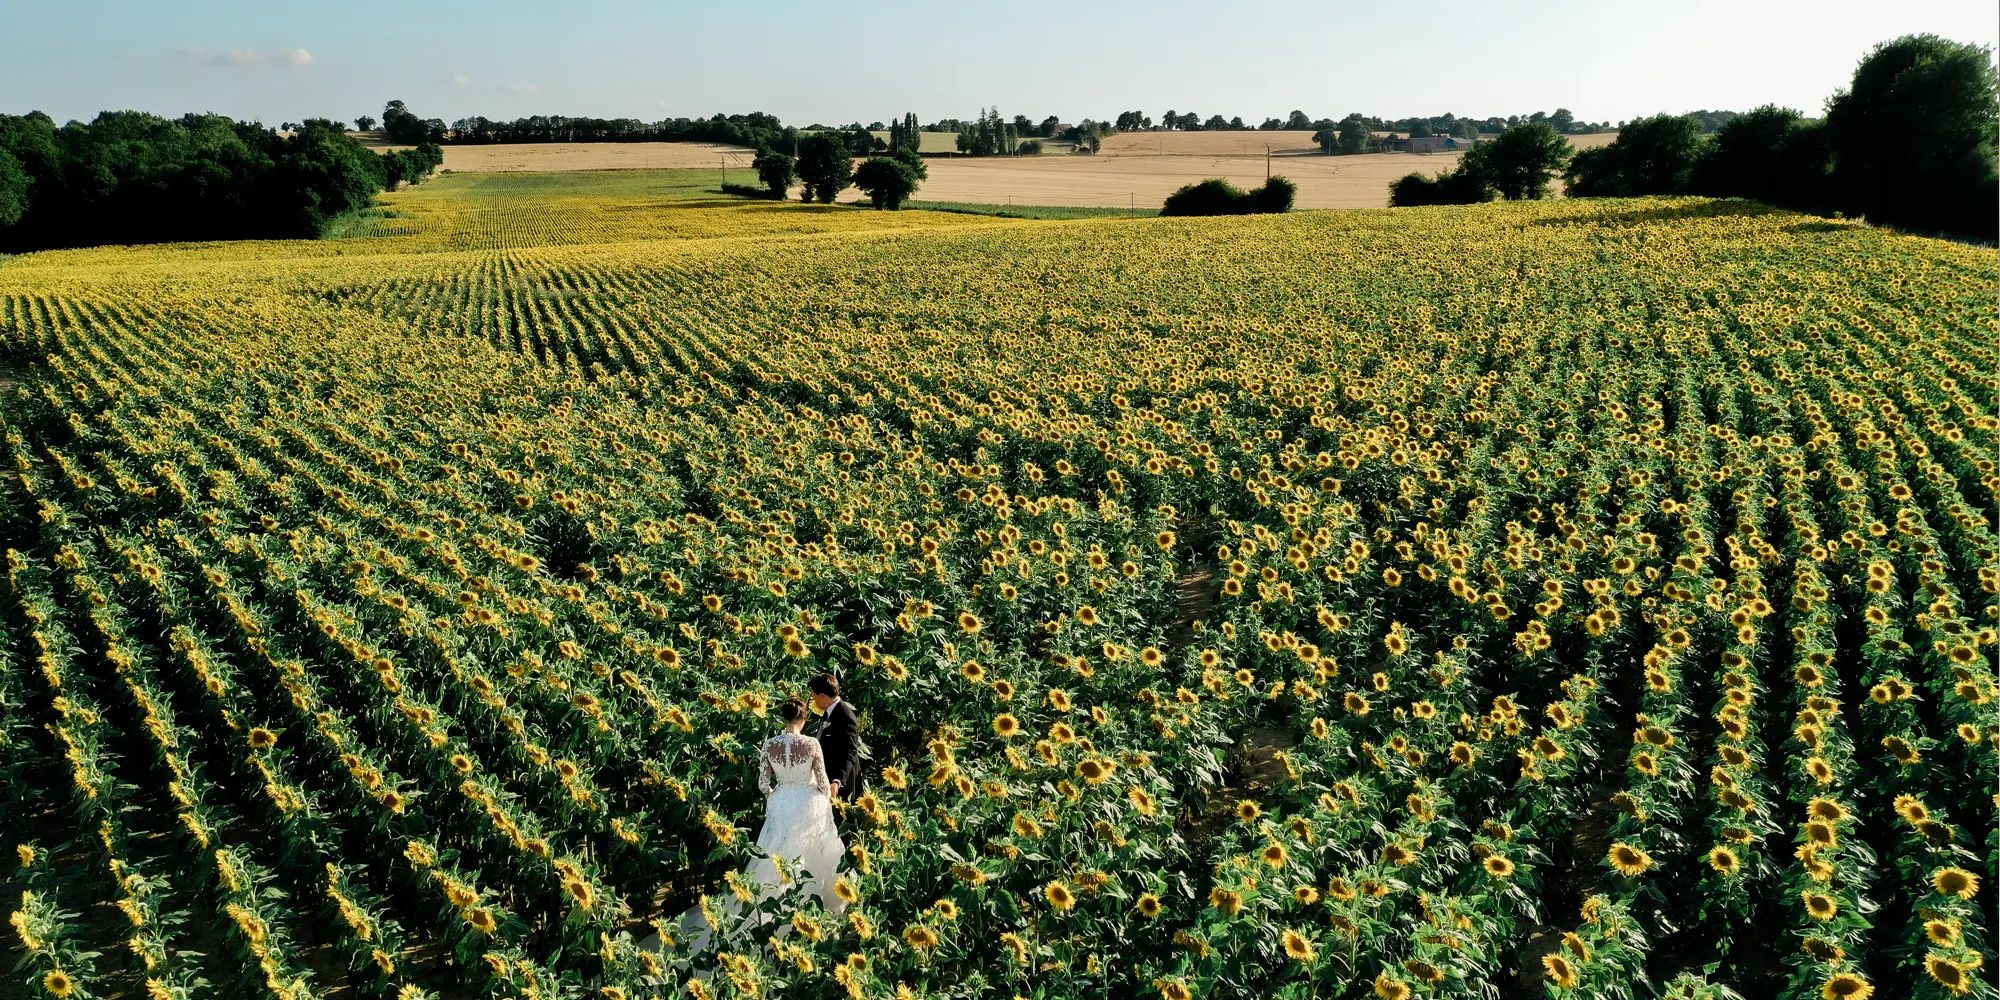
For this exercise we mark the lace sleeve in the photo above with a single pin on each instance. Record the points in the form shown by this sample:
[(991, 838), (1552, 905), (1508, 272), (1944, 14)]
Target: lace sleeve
[(764, 776), (819, 770)]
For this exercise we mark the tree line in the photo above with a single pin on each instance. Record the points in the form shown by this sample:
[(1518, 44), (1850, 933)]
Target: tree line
[(824, 166), (131, 177), (1909, 143)]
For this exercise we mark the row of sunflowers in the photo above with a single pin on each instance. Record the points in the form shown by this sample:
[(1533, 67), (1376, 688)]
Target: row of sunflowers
[(1545, 600)]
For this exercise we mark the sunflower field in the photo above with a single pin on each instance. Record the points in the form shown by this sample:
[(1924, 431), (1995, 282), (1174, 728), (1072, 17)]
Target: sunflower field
[(1567, 599)]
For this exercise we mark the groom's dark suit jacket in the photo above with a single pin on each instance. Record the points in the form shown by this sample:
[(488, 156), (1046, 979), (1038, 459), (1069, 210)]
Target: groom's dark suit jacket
[(840, 744)]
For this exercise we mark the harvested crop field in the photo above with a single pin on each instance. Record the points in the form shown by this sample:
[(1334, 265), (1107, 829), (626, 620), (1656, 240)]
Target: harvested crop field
[(1131, 177), (1145, 181), (556, 156)]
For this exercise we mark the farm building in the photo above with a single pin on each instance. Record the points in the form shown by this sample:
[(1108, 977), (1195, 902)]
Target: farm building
[(1430, 144)]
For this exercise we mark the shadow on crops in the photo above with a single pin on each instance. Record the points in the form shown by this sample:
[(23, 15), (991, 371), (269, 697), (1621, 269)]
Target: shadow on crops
[(1705, 209)]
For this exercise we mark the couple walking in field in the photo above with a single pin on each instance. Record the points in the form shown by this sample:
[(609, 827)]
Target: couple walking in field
[(800, 777)]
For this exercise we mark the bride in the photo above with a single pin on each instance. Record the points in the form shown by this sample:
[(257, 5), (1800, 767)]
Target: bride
[(798, 825)]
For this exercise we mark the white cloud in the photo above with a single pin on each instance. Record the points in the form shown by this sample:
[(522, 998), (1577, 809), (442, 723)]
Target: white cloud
[(293, 58), (522, 89), (460, 80)]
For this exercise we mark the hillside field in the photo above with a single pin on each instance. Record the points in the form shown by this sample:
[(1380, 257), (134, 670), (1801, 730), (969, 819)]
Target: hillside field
[(1561, 599)]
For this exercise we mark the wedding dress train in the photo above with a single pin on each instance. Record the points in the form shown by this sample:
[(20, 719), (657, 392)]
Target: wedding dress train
[(798, 828)]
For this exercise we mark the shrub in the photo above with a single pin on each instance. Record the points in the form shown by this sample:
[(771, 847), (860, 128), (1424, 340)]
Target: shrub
[(1216, 196), (1449, 187)]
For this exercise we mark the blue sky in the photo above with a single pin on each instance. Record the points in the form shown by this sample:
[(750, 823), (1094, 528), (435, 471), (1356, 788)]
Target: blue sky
[(837, 62)]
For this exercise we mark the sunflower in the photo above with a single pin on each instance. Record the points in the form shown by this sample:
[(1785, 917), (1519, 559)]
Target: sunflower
[(1724, 860), (1948, 974), (1230, 903), (1629, 860), (1059, 896), (1297, 947), (1819, 906), (1086, 616), (1018, 946), (1095, 771), (1149, 906), (1005, 724), (1576, 945), (1846, 986), (1388, 987), (1305, 895), (920, 937), (1423, 970), (1498, 866), (58, 983), (1560, 971), (479, 919), (1955, 881), (1173, 989), (1248, 812), (1142, 801), (1274, 855)]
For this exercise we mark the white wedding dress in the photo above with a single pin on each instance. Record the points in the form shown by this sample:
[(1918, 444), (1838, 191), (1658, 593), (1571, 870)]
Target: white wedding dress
[(798, 827)]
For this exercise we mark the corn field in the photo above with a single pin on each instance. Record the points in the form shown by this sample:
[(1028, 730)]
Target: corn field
[(1534, 600)]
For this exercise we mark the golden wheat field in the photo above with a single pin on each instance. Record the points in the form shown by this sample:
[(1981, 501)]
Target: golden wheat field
[(1560, 599)]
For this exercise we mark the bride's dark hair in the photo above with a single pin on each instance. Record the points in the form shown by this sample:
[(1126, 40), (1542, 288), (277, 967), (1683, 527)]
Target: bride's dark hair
[(792, 710)]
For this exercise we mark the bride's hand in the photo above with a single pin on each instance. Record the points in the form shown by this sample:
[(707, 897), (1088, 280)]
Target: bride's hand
[(833, 790)]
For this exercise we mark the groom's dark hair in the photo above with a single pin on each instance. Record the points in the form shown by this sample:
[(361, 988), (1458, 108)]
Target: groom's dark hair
[(825, 684)]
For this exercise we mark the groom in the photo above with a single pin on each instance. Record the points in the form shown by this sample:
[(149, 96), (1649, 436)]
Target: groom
[(839, 737)]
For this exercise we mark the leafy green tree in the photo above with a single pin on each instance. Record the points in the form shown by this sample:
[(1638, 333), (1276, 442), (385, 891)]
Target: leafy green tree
[(825, 166), (1298, 121), (886, 180), (1651, 156), (364, 124), (1913, 138), (914, 163), (1354, 135), (1520, 163), (1770, 155), (14, 182), (775, 171), (401, 125)]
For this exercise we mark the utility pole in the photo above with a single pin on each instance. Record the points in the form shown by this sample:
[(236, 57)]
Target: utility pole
[(1267, 163), (724, 157)]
